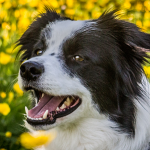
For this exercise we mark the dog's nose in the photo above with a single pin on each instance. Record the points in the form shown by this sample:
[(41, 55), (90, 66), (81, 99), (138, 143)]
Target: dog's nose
[(30, 71)]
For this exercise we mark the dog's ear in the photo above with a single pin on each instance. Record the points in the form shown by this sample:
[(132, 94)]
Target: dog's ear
[(32, 34), (132, 44)]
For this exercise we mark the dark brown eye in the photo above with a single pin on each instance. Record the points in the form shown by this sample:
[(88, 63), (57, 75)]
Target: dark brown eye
[(78, 58), (38, 52)]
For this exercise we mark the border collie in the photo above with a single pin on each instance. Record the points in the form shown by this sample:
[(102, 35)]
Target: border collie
[(87, 81)]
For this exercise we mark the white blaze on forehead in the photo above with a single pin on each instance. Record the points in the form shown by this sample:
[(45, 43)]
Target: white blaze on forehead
[(58, 32)]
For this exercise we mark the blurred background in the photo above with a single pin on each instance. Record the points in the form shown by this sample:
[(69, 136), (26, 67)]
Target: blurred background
[(15, 17)]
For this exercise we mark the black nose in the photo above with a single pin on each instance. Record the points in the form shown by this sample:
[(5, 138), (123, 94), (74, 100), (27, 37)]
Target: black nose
[(30, 71)]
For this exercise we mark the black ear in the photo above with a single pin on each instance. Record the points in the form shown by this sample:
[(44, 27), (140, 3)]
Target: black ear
[(32, 34)]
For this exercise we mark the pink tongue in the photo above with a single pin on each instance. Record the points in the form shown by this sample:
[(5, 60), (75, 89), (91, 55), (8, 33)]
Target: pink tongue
[(46, 103)]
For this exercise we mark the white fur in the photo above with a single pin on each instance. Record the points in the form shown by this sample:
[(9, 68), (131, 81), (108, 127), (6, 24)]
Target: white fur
[(86, 128)]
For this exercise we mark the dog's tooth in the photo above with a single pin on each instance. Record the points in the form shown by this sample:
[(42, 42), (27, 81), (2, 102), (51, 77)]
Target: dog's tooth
[(68, 101), (45, 114), (42, 95), (63, 106), (57, 109), (40, 118), (26, 110)]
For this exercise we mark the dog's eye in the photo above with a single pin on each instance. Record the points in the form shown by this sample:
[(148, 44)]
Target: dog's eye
[(38, 52), (78, 58)]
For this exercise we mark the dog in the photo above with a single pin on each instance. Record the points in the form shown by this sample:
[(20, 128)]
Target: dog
[(87, 80)]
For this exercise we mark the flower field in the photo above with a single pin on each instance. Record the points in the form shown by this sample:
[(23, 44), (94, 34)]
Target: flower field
[(15, 17)]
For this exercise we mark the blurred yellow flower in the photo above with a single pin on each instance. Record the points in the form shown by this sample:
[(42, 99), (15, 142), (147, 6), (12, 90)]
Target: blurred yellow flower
[(3, 14), (3, 94), (33, 3), (70, 12), (147, 15), (146, 23), (4, 108), (96, 14), (10, 96), (17, 13), (4, 58), (1, 1), (103, 2), (5, 25), (147, 71), (127, 5), (139, 7), (37, 139), (89, 5), (8, 134), (139, 23), (9, 50), (17, 89), (69, 3), (7, 4), (23, 2), (23, 23), (3, 149), (147, 4), (54, 3)]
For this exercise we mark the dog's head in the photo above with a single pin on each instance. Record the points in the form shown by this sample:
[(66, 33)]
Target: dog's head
[(80, 69)]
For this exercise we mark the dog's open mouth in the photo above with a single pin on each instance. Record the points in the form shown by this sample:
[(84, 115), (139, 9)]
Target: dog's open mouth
[(49, 108)]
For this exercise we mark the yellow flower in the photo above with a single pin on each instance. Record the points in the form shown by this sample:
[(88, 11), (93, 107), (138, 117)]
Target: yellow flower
[(96, 14), (89, 5), (8, 134), (54, 3), (127, 5), (147, 71), (1, 1), (17, 13), (33, 3), (3, 149), (4, 58), (23, 23), (69, 3), (7, 4), (147, 4), (9, 50), (5, 26), (10, 96), (3, 94), (139, 23), (146, 23), (70, 12), (4, 108), (17, 89), (35, 140), (103, 2), (139, 7), (3, 14), (23, 2)]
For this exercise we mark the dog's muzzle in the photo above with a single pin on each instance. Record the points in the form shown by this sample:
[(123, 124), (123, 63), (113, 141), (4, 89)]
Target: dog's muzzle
[(31, 71)]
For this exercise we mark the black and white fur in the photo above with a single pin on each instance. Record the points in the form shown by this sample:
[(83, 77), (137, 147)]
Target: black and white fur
[(115, 109)]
